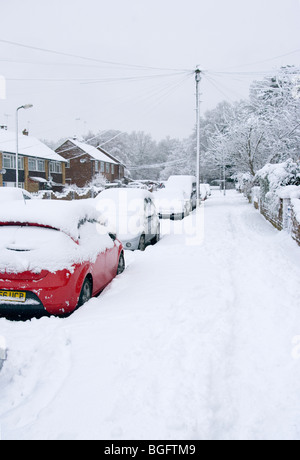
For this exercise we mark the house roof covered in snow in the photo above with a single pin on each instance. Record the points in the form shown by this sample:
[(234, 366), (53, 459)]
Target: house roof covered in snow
[(28, 146), (93, 152)]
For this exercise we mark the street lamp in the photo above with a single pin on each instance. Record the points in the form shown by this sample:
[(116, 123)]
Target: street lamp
[(198, 77), (26, 106)]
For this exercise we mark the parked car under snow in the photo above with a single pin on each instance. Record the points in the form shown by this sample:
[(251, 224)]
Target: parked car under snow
[(132, 215), (178, 198), (8, 194), (54, 256)]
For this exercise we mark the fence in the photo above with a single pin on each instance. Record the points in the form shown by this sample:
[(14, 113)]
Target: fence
[(70, 195), (282, 214)]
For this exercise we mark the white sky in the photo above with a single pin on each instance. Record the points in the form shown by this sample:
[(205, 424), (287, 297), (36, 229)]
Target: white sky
[(217, 35)]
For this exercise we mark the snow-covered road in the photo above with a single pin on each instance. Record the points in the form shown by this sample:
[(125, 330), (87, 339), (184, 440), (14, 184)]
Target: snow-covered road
[(198, 339)]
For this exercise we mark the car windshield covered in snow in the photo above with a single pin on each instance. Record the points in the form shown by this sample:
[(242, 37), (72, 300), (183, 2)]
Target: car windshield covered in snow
[(33, 248), (8, 194), (49, 236)]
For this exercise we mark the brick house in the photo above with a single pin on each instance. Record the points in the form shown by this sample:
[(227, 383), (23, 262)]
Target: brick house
[(84, 162), (40, 168)]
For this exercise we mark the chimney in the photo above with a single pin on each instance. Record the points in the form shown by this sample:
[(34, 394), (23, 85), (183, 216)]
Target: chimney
[(25, 132)]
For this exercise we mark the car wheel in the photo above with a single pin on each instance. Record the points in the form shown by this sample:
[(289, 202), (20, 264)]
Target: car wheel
[(86, 292), (142, 245), (121, 265)]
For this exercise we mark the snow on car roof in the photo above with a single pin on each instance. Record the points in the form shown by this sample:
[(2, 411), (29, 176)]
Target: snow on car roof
[(131, 193), (185, 182), (61, 215), (12, 194)]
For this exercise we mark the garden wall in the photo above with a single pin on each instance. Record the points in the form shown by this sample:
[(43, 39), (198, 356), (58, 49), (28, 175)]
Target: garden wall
[(285, 215)]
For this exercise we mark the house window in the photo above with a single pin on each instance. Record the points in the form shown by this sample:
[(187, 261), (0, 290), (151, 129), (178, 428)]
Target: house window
[(32, 166), (113, 169), (102, 167), (21, 163), (96, 166), (107, 168), (9, 162), (13, 184), (55, 167), (41, 165)]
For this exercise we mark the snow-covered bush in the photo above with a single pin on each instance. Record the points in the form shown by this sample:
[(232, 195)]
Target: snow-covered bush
[(244, 183), (255, 192), (278, 175), (98, 181), (275, 180)]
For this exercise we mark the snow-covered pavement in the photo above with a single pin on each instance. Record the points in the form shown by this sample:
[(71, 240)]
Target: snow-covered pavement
[(198, 339)]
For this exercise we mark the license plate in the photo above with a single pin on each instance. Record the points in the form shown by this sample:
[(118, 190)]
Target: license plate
[(12, 296)]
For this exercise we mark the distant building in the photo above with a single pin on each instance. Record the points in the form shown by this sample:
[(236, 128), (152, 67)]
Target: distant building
[(40, 168), (84, 162)]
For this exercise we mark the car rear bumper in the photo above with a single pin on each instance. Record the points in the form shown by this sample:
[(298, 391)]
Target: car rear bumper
[(55, 294), (32, 307)]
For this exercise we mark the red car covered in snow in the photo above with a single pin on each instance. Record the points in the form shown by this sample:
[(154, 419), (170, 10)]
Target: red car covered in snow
[(54, 256)]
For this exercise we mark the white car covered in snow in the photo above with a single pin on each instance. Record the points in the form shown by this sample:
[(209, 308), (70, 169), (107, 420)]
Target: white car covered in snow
[(8, 194), (130, 214), (178, 198)]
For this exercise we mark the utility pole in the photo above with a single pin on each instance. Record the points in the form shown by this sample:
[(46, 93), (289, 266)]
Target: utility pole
[(198, 80), (26, 106)]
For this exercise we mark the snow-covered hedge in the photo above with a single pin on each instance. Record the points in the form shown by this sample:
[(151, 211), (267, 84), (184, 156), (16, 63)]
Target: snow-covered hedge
[(274, 176), (278, 196), (278, 181), (244, 184)]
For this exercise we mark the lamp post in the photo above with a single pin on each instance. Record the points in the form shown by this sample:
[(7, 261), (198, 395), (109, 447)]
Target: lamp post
[(198, 77), (26, 106)]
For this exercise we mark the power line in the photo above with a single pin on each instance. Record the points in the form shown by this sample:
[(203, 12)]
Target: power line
[(76, 56), (265, 60), (157, 165), (85, 81)]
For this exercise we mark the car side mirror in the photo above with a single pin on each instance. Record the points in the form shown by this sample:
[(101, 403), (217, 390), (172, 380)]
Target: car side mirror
[(113, 236)]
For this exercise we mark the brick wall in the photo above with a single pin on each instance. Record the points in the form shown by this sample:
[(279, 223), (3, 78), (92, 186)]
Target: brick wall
[(82, 167), (276, 220), (295, 228), (283, 219)]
